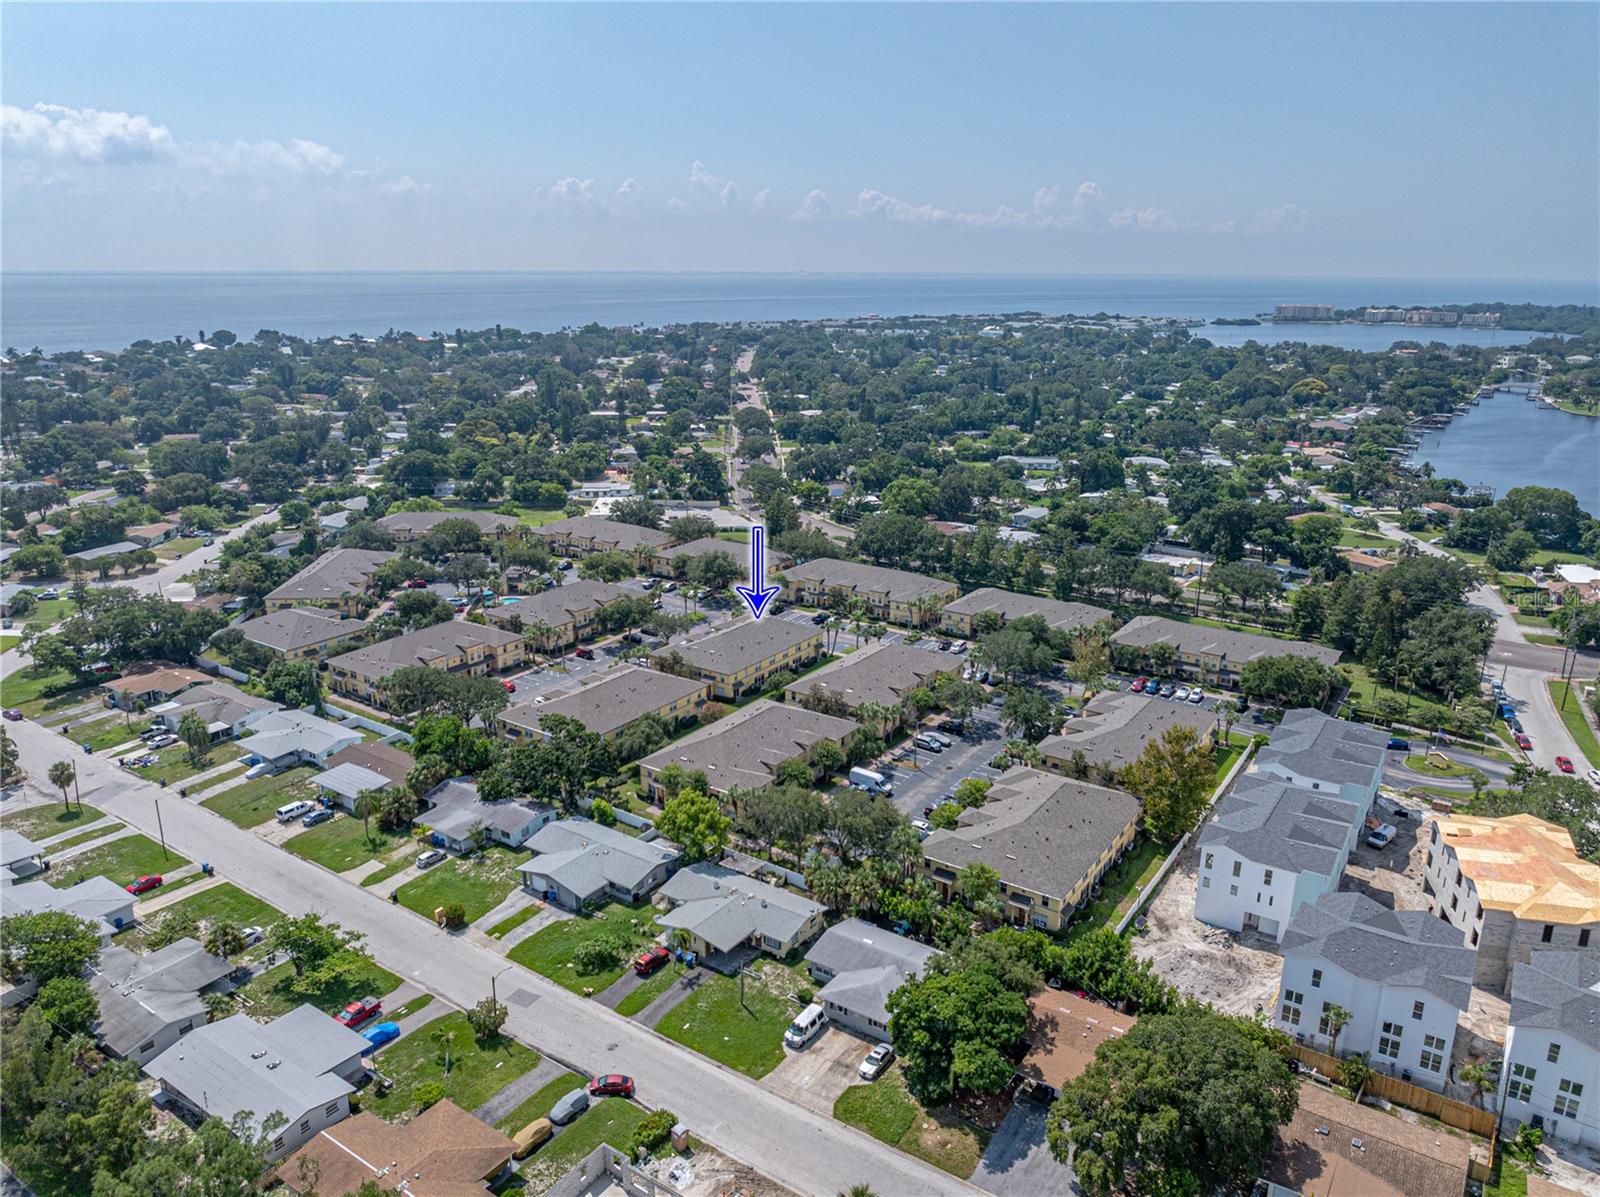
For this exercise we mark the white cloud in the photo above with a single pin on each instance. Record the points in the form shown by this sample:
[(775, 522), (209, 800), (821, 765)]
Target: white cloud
[(1087, 195), (627, 191), (676, 205), (758, 202), (84, 134), (1282, 218), (815, 206), (298, 157), (1143, 218), (1044, 212)]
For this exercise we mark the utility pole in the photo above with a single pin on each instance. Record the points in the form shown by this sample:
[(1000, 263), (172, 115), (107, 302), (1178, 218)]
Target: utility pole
[(493, 978)]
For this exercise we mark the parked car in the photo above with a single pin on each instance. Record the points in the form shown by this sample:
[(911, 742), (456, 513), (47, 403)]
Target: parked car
[(252, 936), (943, 740), (143, 885), (209, 541), (1399, 745), (530, 1138), (565, 565), (584, 654), (13, 714), (1138, 685), (1565, 764), (1522, 741), (359, 1011), (613, 1084), (1168, 690), (383, 1032), (429, 858), (648, 961), (1382, 836), (1241, 704), (316, 818), (1594, 776), (48, 594), (669, 587), (959, 647), (877, 1060), (922, 827), (291, 811), (510, 686), (569, 1107), (944, 646), (1196, 696), (820, 618), (928, 743)]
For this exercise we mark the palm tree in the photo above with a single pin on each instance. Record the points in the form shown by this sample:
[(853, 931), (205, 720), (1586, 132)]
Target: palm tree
[(367, 803), (218, 1005), (1335, 1018), (62, 775), (223, 939), (1478, 1075)]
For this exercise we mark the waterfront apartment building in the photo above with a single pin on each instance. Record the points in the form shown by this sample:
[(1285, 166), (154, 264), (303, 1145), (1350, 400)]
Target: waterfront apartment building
[(1300, 313)]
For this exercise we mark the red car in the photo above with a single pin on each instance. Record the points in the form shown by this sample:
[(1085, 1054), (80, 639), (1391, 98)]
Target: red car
[(357, 1013), (1564, 764), (1522, 741), (1138, 685), (584, 654), (612, 1085), (145, 884), (511, 687), (647, 962)]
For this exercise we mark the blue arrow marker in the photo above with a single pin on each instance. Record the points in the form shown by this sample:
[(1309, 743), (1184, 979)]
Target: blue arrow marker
[(758, 594)]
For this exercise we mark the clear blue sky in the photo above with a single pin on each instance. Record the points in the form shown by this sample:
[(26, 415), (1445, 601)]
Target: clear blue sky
[(1431, 140)]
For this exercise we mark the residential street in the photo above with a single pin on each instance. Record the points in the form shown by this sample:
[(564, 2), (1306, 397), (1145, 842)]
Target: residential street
[(739, 1116)]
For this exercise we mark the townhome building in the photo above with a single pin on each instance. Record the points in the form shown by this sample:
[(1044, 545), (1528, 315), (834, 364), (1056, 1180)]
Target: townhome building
[(407, 526), (454, 646), (740, 659), (892, 595), (1551, 1075), (674, 562), (743, 750), (582, 535), (884, 674), (1113, 730), (1397, 983), (608, 703), (1321, 753), (561, 616), (302, 633), (961, 615), (1049, 838), (1198, 653), (1510, 886), (337, 580)]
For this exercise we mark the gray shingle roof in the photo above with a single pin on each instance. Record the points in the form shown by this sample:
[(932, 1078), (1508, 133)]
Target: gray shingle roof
[(562, 604), (585, 857), (884, 673), (1558, 991), (94, 898), (141, 995), (1010, 605), (456, 810), (216, 702), (856, 944), (349, 781), (1036, 830), (1197, 638), (1312, 744), (1266, 820), (725, 908), (422, 647), (238, 1064), (333, 575), (627, 537), (610, 701), (746, 747), (278, 733), (824, 573), (1116, 728), (745, 644), (294, 628), (1407, 948), (420, 523), (739, 553), (16, 848)]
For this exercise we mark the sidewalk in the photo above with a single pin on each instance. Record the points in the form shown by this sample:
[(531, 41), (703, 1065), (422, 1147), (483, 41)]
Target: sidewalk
[(162, 900)]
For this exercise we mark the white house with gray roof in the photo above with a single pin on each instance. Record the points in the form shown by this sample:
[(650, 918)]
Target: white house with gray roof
[(98, 899), (301, 1065), (858, 966), (20, 857), (284, 738), (1319, 752), (148, 1003), (461, 820), (1551, 1075), (1403, 975), (226, 710), (577, 862), (730, 917)]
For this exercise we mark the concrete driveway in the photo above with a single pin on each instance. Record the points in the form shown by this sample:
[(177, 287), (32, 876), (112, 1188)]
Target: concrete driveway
[(816, 1075), (1018, 1162)]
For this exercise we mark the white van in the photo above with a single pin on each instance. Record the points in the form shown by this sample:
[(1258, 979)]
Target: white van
[(805, 1028), (287, 814)]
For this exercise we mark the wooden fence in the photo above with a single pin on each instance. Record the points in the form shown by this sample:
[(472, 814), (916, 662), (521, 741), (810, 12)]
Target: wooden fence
[(1402, 1093)]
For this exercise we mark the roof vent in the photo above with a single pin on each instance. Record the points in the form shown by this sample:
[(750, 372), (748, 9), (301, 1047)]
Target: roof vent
[(1358, 1144), (1322, 1130)]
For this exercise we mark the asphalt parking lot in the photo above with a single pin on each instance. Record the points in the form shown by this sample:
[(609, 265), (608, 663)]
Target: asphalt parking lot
[(935, 774)]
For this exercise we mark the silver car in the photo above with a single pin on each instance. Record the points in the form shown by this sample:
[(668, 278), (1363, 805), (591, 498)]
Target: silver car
[(877, 1060), (569, 1107), (429, 858)]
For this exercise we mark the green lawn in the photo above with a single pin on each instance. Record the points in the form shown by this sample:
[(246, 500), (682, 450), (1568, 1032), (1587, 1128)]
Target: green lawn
[(415, 1005), (271, 993), (1225, 760), (42, 822), (538, 1104), (611, 1120), (477, 1070), (480, 882), (1572, 717), (253, 802), (342, 845), (9, 641), (229, 904), (106, 733), (173, 764), (178, 546), (121, 861), (746, 1037), (387, 871), (1120, 886), (37, 694), (95, 833), (888, 1112), (1431, 768), (50, 612), (507, 925), (538, 517), (648, 991), (1366, 692), (1354, 538), (1509, 1179), (549, 951)]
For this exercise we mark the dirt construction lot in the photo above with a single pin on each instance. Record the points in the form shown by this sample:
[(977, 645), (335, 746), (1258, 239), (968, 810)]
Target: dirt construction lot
[(1235, 973), (817, 1075)]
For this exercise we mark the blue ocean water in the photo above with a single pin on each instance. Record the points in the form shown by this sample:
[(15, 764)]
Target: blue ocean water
[(109, 311)]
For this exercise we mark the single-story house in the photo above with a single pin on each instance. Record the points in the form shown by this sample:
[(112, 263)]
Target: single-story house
[(461, 820), (97, 899), (1063, 1032), (155, 682), (148, 536), (148, 1003), (343, 784), (301, 1064), (442, 1152), (387, 760), (858, 966), (9, 593), (577, 863), (100, 552), (20, 857), (283, 739), (227, 710), (730, 917)]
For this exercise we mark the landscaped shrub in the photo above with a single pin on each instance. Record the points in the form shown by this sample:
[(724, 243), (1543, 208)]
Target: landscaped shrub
[(455, 915), (598, 954), (427, 1094), (603, 813), (654, 1133)]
